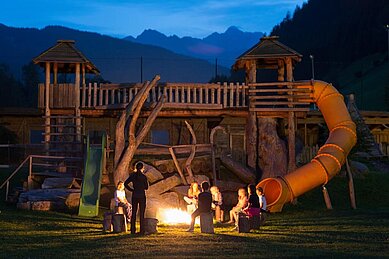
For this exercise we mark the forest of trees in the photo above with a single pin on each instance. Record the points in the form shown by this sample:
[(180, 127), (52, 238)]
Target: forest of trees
[(335, 32), (19, 93)]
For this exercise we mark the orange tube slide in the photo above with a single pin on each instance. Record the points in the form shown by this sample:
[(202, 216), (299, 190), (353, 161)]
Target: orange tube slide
[(330, 158)]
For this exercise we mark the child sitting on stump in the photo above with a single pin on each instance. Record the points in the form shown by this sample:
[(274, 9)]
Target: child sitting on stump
[(217, 203), (121, 200), (204, 204)]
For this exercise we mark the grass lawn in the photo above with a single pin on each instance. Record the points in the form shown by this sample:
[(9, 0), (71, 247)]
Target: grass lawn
[(307, 229)]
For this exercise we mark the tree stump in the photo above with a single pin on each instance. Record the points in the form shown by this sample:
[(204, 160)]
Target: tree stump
[(119, 223), (206, 223)]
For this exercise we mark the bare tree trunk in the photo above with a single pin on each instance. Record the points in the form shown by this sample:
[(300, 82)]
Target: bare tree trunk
[(123, 158), (121, 125), (213, 155), (272, 151)]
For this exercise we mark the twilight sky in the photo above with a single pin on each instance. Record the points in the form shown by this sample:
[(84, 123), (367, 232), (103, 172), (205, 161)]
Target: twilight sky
[(121, 18)]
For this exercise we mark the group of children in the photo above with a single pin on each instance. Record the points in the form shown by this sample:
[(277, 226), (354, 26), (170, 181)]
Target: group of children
[(252, 205), (199, 200)]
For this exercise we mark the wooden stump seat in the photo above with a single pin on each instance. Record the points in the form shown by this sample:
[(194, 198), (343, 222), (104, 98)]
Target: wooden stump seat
[(246, 223), (119, 223), (206, 223)]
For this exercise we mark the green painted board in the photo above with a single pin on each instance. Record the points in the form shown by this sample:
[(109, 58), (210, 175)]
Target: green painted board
[(90, 190)]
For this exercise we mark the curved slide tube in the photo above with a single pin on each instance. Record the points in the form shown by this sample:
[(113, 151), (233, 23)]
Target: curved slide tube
[(330, 158)]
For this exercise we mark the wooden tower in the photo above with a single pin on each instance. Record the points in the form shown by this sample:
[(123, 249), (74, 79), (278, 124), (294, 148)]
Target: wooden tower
[(271, 104), (63, 127)]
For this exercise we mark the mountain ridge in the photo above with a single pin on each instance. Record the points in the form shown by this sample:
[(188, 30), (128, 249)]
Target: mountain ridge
[(226, 46), (118, 60)]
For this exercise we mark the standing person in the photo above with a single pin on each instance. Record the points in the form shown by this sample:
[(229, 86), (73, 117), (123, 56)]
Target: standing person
[(242, 203), (139, 185), (121, 200), (204, 204)]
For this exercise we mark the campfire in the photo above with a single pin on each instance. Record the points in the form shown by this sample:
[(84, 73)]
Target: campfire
[(173, 216)]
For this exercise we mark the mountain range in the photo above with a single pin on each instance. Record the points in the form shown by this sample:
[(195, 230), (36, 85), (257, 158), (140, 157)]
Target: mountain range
[(118, 60), (226, 46)]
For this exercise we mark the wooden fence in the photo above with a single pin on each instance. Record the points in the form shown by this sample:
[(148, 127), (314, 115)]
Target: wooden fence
[(280, 96), (178, 95)]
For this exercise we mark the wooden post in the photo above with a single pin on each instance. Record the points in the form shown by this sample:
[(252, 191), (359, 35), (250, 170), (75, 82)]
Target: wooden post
[(77, 103), (83, 85), (327, 198), (281, 71), (55, 73), (177, 165), (291, 123), (251, 126), (251, 140), (47, 106), (351, 185)]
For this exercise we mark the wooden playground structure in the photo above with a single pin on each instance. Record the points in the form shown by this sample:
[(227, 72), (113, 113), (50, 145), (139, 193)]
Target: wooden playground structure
[(261, 120)]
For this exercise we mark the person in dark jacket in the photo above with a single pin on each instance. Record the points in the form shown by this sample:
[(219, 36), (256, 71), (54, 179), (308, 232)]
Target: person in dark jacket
[(139, 186), (204, 204)]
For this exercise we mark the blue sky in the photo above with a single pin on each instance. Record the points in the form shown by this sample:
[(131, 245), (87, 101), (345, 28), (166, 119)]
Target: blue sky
[(122, 18)]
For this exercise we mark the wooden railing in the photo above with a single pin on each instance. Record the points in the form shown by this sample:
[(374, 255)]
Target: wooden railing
[(40, 162), (279, 96)]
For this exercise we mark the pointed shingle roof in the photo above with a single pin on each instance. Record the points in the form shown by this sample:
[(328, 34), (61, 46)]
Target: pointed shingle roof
[(64, 52), (268, 49)]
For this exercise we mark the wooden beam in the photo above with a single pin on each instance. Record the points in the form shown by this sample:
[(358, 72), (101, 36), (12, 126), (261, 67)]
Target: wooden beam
[(326, 197), (291, 142), (177, 166), (47, 105), (77, 102), (298, 90), (351, 185), (55, 73), (281, 71), (251, 140)]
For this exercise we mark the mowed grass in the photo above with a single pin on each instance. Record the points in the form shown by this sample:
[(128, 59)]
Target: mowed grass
[(307, 230)]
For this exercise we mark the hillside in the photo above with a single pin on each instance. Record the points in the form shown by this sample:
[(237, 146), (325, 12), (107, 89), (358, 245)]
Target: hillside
[(368, 79), (226, 46), (337, 34), (117, 59)]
